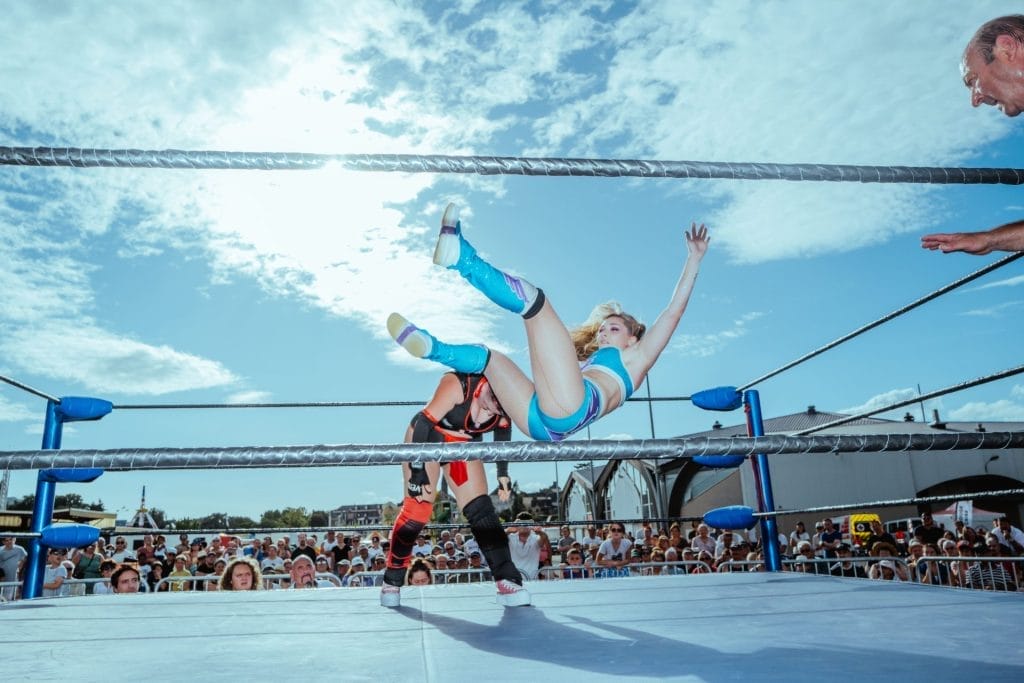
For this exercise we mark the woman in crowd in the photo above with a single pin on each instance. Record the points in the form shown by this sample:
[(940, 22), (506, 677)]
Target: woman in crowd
[(242, 574), (887, 553), (218, 571), (419, 573), (563, 397), (103, 587), (87, 565), (706, 563), (155, 576), (354, 578)]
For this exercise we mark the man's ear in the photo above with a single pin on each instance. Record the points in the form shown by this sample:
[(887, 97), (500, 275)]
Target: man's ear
[(1007, 49)]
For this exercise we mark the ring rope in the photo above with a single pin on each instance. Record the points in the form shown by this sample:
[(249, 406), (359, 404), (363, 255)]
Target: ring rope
[(886, 318), (294, 404), (125, 459), (25, 387), (501, 165), (917, 399), (893, 503)]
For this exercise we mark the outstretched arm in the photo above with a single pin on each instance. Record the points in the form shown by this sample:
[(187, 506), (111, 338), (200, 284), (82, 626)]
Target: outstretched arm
[(659, 334), (1009, 237)]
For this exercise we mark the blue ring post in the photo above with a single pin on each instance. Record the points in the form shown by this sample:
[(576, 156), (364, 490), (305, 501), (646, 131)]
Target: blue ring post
[(769, 528), (42, 509)]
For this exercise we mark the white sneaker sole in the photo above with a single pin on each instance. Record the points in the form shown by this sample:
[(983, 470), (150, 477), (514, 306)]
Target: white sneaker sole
[(446, 253), (411, 338), (391, 599), (517, 599)]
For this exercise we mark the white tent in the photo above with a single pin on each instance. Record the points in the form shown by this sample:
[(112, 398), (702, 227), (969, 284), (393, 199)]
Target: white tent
[(978, 517)]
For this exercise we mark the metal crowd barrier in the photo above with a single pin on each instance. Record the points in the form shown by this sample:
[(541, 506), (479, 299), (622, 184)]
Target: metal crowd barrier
[(1001, 574), (582, 571)]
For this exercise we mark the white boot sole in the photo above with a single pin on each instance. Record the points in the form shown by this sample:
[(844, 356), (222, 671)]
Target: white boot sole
[(416, 342), (446, 253), (391, 599)]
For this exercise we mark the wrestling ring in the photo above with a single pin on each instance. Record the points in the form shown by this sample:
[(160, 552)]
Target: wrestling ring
[(768, 625)]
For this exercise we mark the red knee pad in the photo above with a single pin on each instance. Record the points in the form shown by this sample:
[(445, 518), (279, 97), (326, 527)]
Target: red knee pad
[(414, 510)]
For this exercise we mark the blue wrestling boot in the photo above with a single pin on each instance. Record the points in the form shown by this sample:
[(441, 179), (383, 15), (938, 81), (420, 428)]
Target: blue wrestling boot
[(470, 358), (455, 253)]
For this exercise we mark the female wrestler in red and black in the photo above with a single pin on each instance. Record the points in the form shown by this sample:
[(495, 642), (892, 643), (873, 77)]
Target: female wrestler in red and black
[(463, 409)]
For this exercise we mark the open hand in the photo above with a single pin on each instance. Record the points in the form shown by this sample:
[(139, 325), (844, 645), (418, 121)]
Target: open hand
[(697, 240), (969, 242)]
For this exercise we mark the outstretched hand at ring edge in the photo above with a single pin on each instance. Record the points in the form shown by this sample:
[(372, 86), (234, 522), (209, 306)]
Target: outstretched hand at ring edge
[(697, 240)]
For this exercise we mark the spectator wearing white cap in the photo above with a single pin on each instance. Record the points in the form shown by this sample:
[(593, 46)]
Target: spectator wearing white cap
[(354, 578)]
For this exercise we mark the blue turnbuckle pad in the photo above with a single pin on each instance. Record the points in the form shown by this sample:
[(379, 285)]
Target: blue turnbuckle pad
[(81, 408), (719, 461), (730, 517), (68, 535), (71, 475), (719, 398)]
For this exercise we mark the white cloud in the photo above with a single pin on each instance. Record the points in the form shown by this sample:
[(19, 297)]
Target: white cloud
[(11, 411), (84, 353), (993, 311), (1017, 391), (249, 397), (1001, 410), (754, 82), (881, 400), (706, 345), (1008, 282)]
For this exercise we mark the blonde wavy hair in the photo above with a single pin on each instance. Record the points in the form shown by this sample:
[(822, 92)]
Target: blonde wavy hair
[(584, 337), (254, 567)]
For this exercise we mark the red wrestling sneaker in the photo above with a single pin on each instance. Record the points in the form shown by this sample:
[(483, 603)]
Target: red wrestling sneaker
[(511, 594)]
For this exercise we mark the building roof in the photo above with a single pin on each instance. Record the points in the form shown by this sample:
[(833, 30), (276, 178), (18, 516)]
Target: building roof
[(786, 424)]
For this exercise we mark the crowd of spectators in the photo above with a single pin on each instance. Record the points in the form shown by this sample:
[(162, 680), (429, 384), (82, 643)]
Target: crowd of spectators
[(963, 557)]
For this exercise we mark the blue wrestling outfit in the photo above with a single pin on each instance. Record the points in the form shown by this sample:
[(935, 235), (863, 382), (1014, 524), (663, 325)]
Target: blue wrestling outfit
[(607, 360)]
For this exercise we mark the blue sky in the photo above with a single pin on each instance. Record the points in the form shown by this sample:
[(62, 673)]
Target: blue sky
[(161, 286)]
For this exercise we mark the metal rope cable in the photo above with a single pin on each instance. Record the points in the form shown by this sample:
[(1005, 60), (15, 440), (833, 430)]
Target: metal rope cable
[(899, 404), (894, 503), (25, 387), (322, 404), (886, 318), (497, 165), (124, 459)]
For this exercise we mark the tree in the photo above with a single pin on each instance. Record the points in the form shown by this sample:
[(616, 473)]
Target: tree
[(159, 516), (288, 517), (186, 523), (241, 522), (442, 513), (319, 518), (67, 500)]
